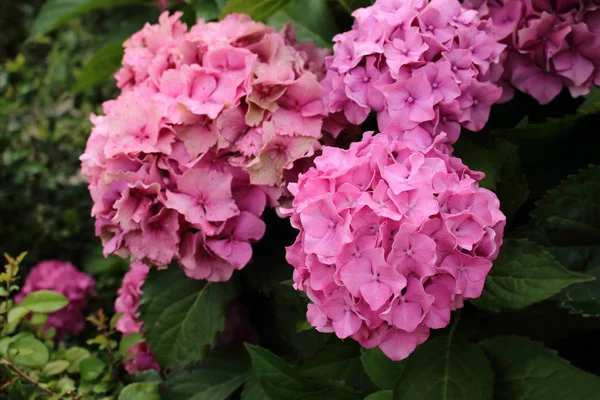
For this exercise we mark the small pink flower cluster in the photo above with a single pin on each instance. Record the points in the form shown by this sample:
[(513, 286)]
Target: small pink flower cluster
[(127, 303), (61, 277), (417, 64), (185, 160), (392, 238), (551, 44)]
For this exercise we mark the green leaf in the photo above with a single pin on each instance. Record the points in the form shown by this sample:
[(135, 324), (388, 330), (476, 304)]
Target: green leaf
[(55, 13), (567, 223), (381, 395), (253, 390), (208, 10), (140, 391), (130, 340), (44, 301), (591, 103), (102, 66), (115, 320), (257, 9), (16, 314), (55, 367), (446, 368), (217, 377), (382, 371), (282, 381), (526, 370), (339, 362), (312, 19), (28, 352), (500, 161), (90, 368), (182, 316), (38, 319), (74, 355), (524, 274), (350, 5)]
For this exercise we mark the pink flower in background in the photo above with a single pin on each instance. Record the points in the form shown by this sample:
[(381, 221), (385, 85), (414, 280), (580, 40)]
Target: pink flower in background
[(410, 61), (64, 278), (210, 126), (127, 303), (550, 45), (394, 234)]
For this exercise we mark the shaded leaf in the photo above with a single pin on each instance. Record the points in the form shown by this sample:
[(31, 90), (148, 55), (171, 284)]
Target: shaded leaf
[(54, 13), (381, 395), (526, 370), (257, 9), (220, 374), (90, 368), (182, 316), (253, 390), (383, 371), (312, 19), (524, 274), (282, 381), (102, 66), (446, 368)]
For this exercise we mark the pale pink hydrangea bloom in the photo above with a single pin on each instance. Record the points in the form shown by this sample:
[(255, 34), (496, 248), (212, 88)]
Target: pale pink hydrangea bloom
[(182, 164), (393, 236), (416, 64), (550, 44), (61, 277), (127, 303)]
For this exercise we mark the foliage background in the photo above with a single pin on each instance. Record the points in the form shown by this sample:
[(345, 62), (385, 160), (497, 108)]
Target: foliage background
[(538, 159)]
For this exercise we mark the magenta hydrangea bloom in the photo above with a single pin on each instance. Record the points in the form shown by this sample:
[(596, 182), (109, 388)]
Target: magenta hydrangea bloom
[(127, 303), (392, 237), (416, 64), (182, 164), (550, 44), (61, 277)]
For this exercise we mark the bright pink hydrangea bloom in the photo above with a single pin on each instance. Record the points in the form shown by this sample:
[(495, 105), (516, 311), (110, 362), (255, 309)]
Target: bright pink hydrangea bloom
[(550, 44), (184, 161), (417, 64), (64, 278), (127, 303), (392, 237)]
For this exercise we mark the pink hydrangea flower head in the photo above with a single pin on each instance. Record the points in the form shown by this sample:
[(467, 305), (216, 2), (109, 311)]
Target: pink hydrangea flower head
[(61, 277), (550, 44), (411, 61), (127, 302), (210, 126), (394, 235)]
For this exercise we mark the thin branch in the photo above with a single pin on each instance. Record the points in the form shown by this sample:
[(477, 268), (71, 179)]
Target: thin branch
[(23, 375)]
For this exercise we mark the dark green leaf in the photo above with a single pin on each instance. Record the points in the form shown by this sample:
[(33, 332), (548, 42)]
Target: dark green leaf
[(383, 371), (253, 390), (282, 381), (103, 65), (54, 13), (446, 368), (28, 352), (524, 274), (217, 377), (44, 301), (206, 9), (90, 368), (381, 395), (592, 102), (140, 391), (567, 222), (130, 340), (312, 19), (182, 316), (339, 362), (526, 370), (350, 5), (257, 9)]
